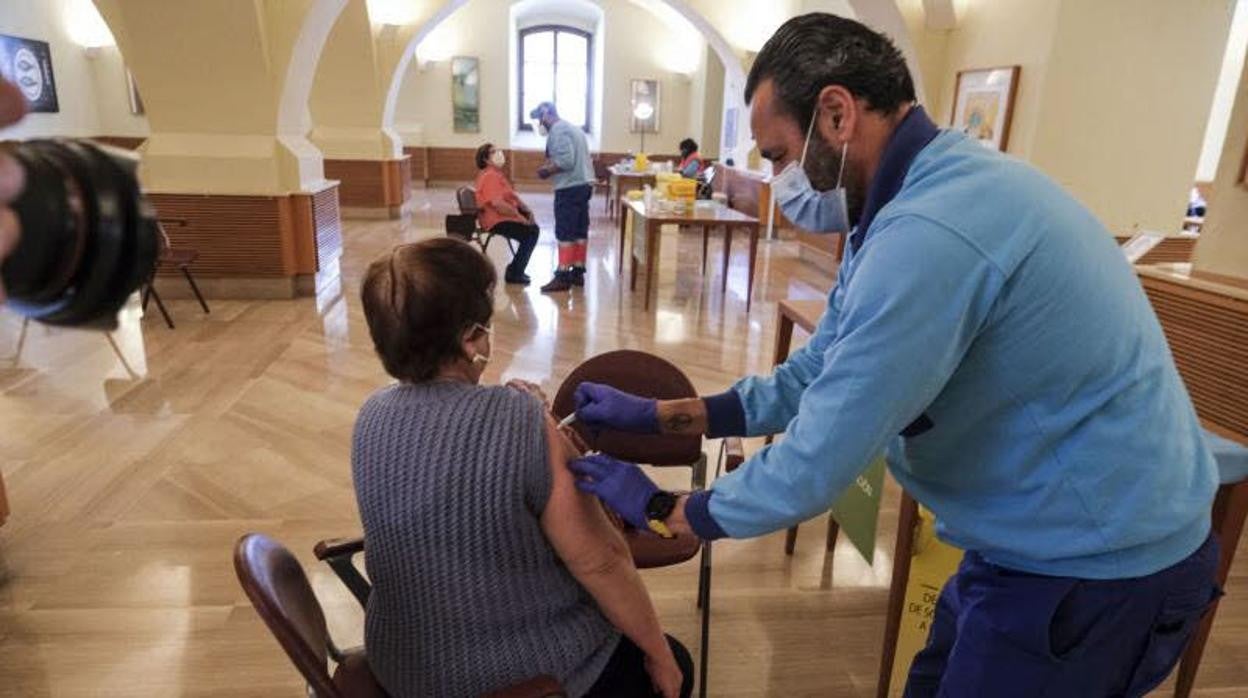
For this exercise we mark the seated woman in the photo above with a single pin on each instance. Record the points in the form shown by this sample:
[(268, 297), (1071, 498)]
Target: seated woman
[(691, 163), (502, 212), (488, 565)]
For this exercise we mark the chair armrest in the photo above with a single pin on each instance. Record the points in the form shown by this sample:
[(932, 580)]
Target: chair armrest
[(339, 553), (734, 453), (338, 547), (540, 687)]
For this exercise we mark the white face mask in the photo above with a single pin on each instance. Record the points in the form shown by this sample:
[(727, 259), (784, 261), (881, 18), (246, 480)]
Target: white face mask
[(541, 128), (808, 208), (498, 158)]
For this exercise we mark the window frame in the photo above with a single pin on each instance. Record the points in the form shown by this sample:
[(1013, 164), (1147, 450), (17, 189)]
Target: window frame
[(522, 120)]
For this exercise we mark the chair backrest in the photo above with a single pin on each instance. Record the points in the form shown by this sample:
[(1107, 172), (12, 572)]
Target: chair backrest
[(641, 374), (279, 590), (467, 199), (601, 172)]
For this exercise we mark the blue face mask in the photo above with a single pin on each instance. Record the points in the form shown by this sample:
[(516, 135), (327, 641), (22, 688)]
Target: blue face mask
[(808, 208)]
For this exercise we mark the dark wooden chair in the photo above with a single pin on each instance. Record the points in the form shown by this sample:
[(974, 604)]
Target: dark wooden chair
[(466, 198), (280, 592), (182, 260), (1230, 509), (651, 376)]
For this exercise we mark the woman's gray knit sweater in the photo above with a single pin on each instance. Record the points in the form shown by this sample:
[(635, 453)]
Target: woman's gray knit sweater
[(468, 596)]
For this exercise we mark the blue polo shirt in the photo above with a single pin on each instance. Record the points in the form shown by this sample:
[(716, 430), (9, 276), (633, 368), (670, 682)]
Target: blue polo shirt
[(988, 316)]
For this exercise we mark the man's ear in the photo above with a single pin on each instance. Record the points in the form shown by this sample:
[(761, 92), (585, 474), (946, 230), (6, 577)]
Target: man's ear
[(838, 114)]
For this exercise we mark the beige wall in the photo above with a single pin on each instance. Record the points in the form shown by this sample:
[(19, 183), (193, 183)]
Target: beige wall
[(1224, 94), (91, 91), (348, 95), (712, 104), (931, 53), (1122, 118), (1103, 106), (424, 106), (226, 84), (112, 97), (997, 33), (632, 41), (1223, 246)]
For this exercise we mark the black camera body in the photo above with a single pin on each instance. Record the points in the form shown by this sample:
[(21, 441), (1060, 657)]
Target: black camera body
[(89, 238)]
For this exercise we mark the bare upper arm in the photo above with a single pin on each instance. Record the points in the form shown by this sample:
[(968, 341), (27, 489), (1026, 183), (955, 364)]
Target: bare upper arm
[(573, 521)]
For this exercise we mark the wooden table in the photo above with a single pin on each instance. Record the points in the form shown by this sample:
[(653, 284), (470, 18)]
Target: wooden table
[(705, 218), (622, 182)]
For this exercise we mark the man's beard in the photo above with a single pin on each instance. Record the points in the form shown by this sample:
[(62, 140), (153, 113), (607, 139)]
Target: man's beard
[(823, 164)]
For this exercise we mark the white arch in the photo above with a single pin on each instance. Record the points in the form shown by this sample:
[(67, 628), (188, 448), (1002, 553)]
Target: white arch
[(301, 71), (396, 79), (734, 72)]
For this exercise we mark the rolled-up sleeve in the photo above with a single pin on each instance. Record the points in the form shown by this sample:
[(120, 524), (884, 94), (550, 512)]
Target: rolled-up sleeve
[(917, 300)]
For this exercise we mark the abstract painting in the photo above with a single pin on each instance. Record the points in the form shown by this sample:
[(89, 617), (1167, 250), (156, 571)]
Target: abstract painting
[(466, 93)]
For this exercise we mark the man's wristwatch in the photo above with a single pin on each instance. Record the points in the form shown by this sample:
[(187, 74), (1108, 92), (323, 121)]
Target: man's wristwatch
[(658, 509)]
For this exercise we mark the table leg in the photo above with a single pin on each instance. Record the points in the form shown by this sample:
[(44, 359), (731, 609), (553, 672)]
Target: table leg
[(723, 283), (902, 555), (652, 257), (613, 195), (784, 336), (749, 284), (623, 227), (706, 234)]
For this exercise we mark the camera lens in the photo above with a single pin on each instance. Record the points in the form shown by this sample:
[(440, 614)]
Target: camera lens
[(89, 237)]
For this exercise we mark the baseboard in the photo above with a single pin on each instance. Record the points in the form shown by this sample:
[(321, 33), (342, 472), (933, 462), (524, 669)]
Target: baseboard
[(238, 287), (372, 213)]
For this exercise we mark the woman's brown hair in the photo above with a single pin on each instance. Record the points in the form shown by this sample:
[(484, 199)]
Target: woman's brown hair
[(418, 301), (483, 155)]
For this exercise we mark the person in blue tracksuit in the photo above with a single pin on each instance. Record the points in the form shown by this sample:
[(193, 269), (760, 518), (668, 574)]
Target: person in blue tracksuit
[(986, 333)]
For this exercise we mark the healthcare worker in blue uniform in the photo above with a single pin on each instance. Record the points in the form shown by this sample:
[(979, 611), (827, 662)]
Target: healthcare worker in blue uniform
[(987, 334)]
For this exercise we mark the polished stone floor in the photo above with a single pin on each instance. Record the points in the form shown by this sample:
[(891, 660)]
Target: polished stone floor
[(132, 466)]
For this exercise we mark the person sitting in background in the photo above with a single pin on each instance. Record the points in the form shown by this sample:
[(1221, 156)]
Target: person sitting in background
[(691, 164), (502, 212), (488, 565)]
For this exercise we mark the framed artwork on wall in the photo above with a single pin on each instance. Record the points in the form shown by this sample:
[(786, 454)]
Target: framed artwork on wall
[(642, 92), (28, 64), (983, 104), (466, 93)]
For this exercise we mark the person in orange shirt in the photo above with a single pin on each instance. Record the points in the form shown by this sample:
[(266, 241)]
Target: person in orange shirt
[(691, 162), (503, 213)]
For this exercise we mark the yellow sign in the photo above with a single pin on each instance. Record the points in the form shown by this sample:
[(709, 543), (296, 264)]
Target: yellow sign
[(932, 563)]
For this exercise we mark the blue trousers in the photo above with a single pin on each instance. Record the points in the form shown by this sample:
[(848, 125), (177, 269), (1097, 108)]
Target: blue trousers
[(999, 632), (572, 213)]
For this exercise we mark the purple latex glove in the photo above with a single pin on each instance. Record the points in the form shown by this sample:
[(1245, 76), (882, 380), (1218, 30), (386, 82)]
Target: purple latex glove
[(600, 406), (619, 484), (543, 173)]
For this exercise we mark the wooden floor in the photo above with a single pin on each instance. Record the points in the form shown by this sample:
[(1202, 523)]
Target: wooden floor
[(131, 479)]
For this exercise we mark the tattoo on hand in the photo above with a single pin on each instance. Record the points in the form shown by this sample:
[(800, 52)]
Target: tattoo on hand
[(679, 422)]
